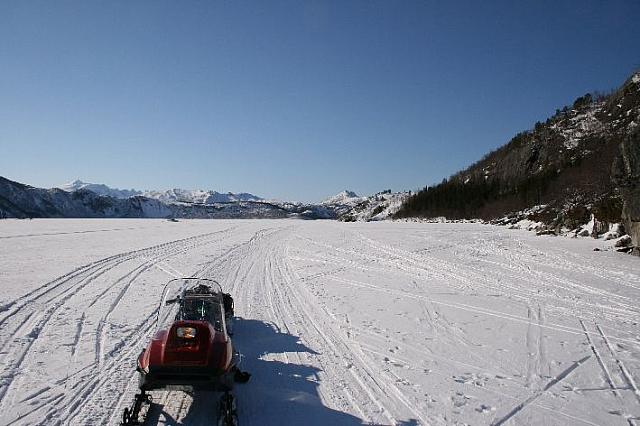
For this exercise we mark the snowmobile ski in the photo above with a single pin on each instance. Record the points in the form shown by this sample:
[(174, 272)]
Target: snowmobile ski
[(228, 415), (131, 415)]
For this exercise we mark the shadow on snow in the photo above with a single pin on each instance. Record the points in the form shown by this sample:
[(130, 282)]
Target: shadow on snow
[(278, 392)]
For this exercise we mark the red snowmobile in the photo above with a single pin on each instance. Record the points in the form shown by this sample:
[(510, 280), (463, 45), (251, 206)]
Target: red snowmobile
[(191, 349)]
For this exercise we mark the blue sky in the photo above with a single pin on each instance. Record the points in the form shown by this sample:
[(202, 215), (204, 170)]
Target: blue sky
[(290, 99)]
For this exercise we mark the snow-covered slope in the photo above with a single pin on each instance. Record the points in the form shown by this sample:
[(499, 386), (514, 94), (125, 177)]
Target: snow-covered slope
[(350, 207), (344, 324), (100, 189), (380, 206)]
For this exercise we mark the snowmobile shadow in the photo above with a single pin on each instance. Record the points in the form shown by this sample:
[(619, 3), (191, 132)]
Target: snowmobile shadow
[(254, 338), (156, 414), (280, 392)]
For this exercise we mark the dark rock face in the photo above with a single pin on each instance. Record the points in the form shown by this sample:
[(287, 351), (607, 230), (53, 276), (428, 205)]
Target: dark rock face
[(627, 177)]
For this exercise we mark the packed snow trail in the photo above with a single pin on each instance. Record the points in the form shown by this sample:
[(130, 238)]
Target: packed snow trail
[(379, 323)]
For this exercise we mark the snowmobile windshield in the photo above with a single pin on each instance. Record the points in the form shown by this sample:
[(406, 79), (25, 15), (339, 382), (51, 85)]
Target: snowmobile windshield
[(201, 308), (191, 299)]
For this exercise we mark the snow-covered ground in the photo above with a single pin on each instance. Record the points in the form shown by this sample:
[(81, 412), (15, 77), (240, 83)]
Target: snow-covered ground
[(340, 323)]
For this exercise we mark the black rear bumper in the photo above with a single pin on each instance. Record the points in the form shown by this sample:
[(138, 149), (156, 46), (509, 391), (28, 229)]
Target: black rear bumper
[(186, 378)]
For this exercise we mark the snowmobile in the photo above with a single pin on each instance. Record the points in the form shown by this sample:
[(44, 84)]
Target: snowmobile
[(191, 349)]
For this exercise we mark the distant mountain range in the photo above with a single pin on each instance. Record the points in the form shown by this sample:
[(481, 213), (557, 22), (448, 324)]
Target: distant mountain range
[(169, 196), (82, 199)]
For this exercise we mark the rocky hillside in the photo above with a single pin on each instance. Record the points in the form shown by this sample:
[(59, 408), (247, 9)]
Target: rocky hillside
[(22, 201), (565, 164), (349, 207)]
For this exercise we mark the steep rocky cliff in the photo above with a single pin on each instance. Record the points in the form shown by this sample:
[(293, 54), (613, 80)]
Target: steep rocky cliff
[(627, 177)]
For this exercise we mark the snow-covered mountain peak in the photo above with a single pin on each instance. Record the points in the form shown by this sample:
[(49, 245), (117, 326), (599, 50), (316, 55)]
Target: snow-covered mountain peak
[(99, 189), (199, 196), (344, 197), (74, 186), (349, 194)]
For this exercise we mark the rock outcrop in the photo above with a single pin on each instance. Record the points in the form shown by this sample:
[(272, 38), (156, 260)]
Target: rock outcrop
[(627, 177)]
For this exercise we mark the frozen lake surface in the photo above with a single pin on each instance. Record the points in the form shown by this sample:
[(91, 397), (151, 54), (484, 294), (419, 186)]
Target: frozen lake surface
[(343, 324)]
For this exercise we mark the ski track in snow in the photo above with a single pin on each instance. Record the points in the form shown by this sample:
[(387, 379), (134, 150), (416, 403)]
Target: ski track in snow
[(385, 323)]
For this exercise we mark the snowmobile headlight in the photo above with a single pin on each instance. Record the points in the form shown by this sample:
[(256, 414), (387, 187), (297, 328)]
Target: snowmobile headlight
[(186, 332)]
